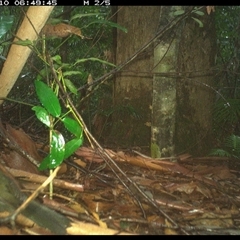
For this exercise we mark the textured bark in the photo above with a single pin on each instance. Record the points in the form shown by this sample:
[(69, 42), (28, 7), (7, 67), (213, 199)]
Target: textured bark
[(180, 119), (133, 86), (194, 99), (164, 88)]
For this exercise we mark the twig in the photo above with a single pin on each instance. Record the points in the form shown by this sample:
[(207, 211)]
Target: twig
[(26, 176)]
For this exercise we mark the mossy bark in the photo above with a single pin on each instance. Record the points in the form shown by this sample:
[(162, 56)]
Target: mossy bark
[(164, 88)]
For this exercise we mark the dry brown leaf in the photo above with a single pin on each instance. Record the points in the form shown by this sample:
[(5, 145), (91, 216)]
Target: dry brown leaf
[(16, 161), (212, 219), (61, 30), (149, 163), (169, 231), (98, 220), (189, 188), (221, 172), (90, 82), (210, 9), (80, 163), (80, 228), (24, 141), (7, 231)]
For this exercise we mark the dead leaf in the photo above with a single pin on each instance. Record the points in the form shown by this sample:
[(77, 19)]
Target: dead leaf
[(189, 188), (80, 163), (169, 231), (212, 219), (24, 141), (210, 9), (7, 231), (90, 82), (16, 161), (220, 172), (61, 30), (80, 228)]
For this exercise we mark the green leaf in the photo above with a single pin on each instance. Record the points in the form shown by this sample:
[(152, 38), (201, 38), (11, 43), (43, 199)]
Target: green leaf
[(198, 21), (57, 149), (200, 13), (42, 74), (45, 163), (23, 42), (227, 111), (57, 59), (48, 98), (179, 12), (70, 73), (112, 24), (220, 153), (72, 146), (72, 126), (94, 59), (232, 144), (5, 24), (57, 152), (42, 115), (85, 15), (70, 86)]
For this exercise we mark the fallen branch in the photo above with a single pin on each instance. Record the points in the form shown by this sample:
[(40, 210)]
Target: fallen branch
[(31, 177)]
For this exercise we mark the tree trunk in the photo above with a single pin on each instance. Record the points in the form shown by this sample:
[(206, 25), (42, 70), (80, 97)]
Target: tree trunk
[(164, 87), (133, 85), (194, 96)]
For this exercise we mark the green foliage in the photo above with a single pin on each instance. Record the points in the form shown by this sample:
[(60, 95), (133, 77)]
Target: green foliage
[(195, 11), (93, 59), (73, 60), (57, 153), (48, 98), (5, 24), (83, 57), (52, 109), (111, 24), (231, 148), (72, 126), (155, 151), (227, 111), (24, 42), (178, 12), (227, 20), (72, 146), (70, 86), (198, 21), (228, 39), (42, 115)]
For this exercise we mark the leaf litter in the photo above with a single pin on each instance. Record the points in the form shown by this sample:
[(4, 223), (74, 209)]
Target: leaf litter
[(180, 195)]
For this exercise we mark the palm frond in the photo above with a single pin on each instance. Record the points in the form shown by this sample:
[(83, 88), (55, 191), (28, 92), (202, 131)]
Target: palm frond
[(232, 144), (227, 111), (219, 152), (231, 148)]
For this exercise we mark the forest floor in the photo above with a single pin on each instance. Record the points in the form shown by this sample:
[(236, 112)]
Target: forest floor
[(127, 192)]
